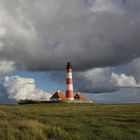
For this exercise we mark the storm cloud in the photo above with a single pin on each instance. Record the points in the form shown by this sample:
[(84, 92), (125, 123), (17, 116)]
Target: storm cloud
[(43, 35)]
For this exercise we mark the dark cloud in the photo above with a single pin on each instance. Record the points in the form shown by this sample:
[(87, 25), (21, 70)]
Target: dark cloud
[(44, 35), (92, 81), (95, 81), (124, 1), (100, 80)]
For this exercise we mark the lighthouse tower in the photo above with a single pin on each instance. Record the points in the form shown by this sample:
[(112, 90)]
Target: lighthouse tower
[(69, 82)]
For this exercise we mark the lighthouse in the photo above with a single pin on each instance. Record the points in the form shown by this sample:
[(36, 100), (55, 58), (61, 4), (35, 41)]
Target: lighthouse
[(69, 82)]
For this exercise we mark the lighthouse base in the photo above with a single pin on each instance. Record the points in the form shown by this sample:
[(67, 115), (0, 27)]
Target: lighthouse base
[(70, 99)]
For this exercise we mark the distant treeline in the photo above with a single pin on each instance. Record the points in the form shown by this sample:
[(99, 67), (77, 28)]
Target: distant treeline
[(22, 102)]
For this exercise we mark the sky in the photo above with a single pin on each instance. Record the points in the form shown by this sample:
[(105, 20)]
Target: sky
[(101, 38)]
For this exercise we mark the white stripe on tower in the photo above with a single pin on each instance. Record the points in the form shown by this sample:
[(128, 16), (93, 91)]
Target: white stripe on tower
[(69, 82), (69, 87), (69, 75)]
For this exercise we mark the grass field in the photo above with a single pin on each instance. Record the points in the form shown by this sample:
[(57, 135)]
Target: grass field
[(70, 122)]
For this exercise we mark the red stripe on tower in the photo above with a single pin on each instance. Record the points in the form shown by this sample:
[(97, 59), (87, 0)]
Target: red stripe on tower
[(69, 82)]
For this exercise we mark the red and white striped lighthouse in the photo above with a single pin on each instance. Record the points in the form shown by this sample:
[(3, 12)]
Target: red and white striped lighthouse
[(69, 82)]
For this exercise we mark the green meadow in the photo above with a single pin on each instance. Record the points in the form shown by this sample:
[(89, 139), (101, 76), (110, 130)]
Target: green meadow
[(70, 122)]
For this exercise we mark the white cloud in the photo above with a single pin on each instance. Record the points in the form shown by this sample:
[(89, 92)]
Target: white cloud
[(6, 66), (112, 6), (124, 81), (24, 88)]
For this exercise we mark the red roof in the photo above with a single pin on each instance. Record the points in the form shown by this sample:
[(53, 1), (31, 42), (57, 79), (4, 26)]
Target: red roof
[(58, 94), (78, 96)]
